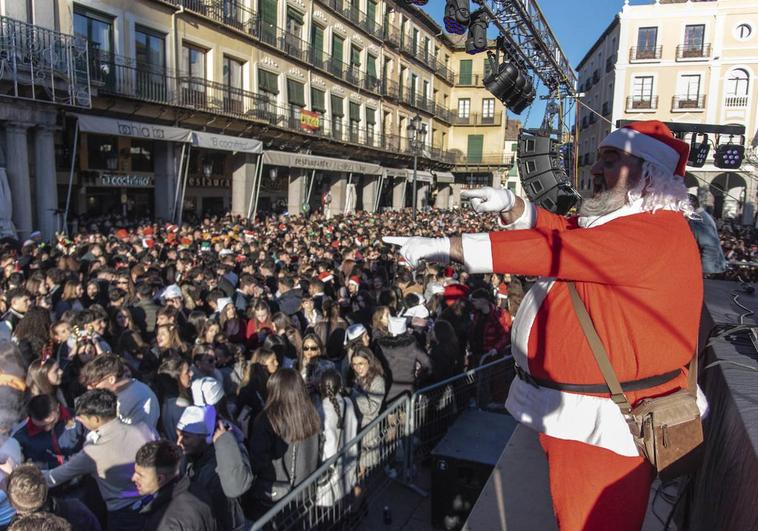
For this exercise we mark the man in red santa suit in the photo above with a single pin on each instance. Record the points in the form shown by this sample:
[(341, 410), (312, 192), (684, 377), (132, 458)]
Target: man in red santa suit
[(637, 269)]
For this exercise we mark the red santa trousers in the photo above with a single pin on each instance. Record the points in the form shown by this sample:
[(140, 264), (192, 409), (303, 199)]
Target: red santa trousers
[(594, 489)]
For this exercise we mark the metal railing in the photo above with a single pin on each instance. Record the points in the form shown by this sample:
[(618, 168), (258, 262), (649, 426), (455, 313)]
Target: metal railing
[(44, 65), (646, 103), (469, 80), (735, 101), (646, 53), (326, 498), (352, 13), (476, 119), (693, 51), (390, 447), (684, 102)]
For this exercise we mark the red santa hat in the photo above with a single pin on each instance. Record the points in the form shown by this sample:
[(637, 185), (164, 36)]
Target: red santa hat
[(653, 142), (122, 234), (325, 276), (454, 292), (502, 291), (355, 279)]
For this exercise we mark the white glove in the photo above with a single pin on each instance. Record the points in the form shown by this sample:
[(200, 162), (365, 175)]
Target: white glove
[(416, 248), (490, 199)]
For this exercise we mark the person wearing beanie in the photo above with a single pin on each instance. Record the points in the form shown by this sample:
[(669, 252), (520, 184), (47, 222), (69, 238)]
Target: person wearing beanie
[(408, 366), (636, 267), (217, 465)]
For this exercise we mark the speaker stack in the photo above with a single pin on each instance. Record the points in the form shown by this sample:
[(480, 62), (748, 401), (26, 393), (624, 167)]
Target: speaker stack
[(543, 174)]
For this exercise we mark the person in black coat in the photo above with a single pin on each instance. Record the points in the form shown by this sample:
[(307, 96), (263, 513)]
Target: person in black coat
[(408, 366), (168, 503)]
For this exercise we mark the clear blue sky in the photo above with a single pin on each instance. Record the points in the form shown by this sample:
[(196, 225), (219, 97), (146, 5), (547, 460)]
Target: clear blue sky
[(576, 23)]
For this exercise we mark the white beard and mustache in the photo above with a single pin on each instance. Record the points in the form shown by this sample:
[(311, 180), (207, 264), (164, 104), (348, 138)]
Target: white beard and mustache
[(603, 203)]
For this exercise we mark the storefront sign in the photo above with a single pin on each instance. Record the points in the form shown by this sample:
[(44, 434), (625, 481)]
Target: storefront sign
[(310, 121), (226, 142), (115, 126), (313, 162), (209, 182), (118, 180)]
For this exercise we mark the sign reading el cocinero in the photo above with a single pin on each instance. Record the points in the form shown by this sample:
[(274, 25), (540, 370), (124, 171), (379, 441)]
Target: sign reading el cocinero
[(310, 121), (117, 180), (314, 162)]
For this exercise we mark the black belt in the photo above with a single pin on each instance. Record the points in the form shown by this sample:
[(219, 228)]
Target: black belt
[(634, 385)]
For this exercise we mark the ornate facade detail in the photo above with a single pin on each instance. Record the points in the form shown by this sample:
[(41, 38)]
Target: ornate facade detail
[(336, 89), (319, 15), (268, 61), (339, 28), (296, 72), (318, 82), (298, 3), (358, 40)]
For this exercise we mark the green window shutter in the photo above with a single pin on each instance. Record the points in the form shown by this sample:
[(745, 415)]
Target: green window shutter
[(338, 108), (464, 72), (426, 47), (355, 56), (414, 42), (317, 100), (337, 47), (370, 116), (355, 112), (268, 82), (371, 13), (317, 38), (371, 65), (295, 93), (475, 147), (414, 83), (295, 15), (487, 68), (268, 10)]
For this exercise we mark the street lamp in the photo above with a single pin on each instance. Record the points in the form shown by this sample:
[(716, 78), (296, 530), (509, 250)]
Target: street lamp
[(207, 168), (416, 136)]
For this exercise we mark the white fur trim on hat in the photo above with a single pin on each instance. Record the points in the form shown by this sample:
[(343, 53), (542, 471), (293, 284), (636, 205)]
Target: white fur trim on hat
[(353, 331), (643, 146), (221, 303), (198, 420), (397, 326), (172, 292), (207, 391)]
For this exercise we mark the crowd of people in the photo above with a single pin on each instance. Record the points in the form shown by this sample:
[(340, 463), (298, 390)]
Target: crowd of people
[(146, 367)]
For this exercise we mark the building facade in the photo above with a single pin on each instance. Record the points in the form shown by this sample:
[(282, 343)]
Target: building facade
[(195, 107), (678, 61)]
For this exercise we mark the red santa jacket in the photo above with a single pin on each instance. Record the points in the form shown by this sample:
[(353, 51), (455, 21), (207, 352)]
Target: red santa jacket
[(639, 275)]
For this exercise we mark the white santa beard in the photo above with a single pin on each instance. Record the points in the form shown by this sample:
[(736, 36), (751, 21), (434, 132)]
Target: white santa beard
[(603, 203)]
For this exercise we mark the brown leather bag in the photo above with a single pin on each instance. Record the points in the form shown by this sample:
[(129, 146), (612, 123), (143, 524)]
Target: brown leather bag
[(667, 430)]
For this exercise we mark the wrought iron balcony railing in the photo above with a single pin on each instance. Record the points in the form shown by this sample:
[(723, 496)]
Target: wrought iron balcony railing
[(688, 102), (646, 53), (44, 65), (641, 103), (476, 119), (693, 52)]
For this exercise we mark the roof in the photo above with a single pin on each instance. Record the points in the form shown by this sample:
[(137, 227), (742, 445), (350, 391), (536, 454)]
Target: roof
[(608, 30)]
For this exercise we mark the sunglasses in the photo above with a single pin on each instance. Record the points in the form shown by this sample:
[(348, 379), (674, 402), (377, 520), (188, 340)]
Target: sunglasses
[(312, 347)]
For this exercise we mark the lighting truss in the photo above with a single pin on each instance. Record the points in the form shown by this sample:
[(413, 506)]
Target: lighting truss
[(528, 39)]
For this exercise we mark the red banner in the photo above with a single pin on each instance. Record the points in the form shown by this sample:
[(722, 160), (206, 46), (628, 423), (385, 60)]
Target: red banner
[(310, 121)]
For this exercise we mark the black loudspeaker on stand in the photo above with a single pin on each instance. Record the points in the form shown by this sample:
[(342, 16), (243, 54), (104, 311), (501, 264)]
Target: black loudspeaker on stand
[(543, 174)]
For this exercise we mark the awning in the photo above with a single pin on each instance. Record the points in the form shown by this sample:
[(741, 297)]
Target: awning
[(444, 177), (314, 162), (395, 172), (421, 176), (116, 126), (226, 142)]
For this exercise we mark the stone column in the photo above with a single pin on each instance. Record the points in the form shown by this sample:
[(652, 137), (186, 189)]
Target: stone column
[(243, 179), (398, 193), (370, 190), (17, 166), (46, 183), (167, 159), (338, 190), (296, 191), (443, 197)]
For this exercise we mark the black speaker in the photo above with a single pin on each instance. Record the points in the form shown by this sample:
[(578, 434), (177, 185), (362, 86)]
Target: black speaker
[(543, 173), (462, 463)]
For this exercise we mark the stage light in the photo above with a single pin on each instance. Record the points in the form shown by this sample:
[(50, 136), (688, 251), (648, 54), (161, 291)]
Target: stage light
[(698, 151), (457, 16), (523, 98), (729, 156), (501, 80), (476, 41)]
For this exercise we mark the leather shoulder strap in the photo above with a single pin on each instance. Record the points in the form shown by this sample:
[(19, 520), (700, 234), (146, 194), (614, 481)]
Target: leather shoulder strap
[(598, 351)]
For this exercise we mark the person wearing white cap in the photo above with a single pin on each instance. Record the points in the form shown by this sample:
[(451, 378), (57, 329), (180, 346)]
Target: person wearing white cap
[(407, 365), (632, 260), (217, 465)]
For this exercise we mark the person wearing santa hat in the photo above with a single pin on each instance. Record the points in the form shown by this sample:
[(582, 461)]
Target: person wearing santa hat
[(637, 269)]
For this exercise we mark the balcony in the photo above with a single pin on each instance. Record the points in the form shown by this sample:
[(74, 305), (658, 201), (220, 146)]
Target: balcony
[(688, 103), (391, 35), (641, 103), (443, 113), (693, 52), (351, 13), (735, 102), (610, 64), (606, 108), (485, 159), (390, 90), (232, 13), (476, 119), (645, 54), (43, 65), (470, 80)]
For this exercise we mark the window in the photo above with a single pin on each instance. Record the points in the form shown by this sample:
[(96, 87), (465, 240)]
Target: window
[(371, 15), (737, 83), (294, 22), (427, 45), (371, 66), (268, 84), (355, 56), (193, 75), (642, 88), (267, 10), (370, 124), (338, 112), (689, 87), (464, 107), (95, 27), (293, 43), (402, 80), (141, 155), (647, 39), (488, 110), (318, 100), (338, 44), (425, 92), (743, 31), (102, 152), (465, 71), (414, 89), (296, 99), (150, 55), (317, 46), (487, 68), (232, 85), (414, 42), (693, 38), (355, 120)]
